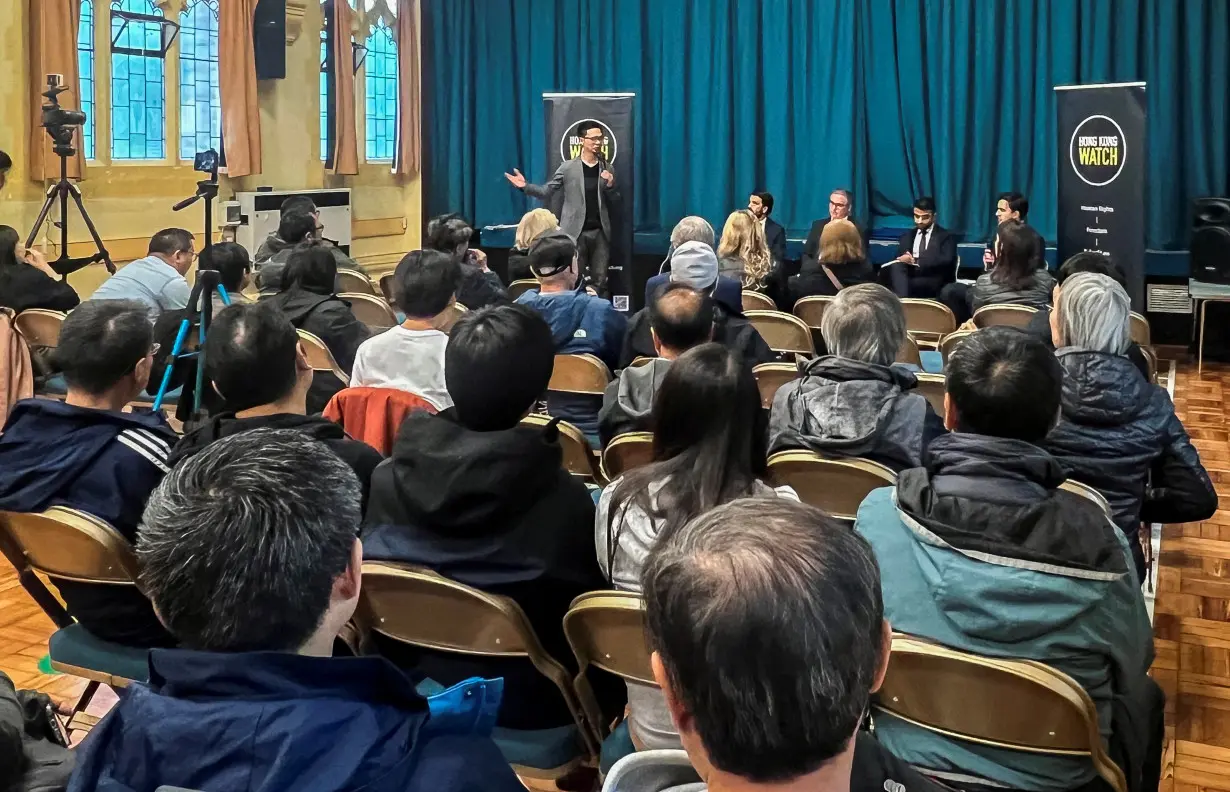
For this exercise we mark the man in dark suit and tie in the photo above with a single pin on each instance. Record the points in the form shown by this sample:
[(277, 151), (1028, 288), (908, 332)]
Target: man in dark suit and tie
[(841, 205), (761, 204), (926, 256)]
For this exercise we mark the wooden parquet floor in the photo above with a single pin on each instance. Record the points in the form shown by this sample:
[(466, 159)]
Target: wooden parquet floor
[(24, 630)]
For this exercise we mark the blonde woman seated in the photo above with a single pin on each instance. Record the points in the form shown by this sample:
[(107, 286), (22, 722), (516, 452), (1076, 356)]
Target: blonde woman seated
[(743, 253), (534, 224), (709, 449), (842, 262)]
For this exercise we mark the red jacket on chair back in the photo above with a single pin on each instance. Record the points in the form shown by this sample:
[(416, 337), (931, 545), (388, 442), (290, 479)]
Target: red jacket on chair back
[(374, 415)]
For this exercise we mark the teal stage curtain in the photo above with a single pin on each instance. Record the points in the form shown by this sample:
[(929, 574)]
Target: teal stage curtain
[(891, 98)]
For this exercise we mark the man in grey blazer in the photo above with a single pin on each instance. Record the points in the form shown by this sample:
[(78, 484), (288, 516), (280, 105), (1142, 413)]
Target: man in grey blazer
[(588, 186)]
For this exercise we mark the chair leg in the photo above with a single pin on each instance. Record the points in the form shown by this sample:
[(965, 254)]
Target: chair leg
[(86, 696)]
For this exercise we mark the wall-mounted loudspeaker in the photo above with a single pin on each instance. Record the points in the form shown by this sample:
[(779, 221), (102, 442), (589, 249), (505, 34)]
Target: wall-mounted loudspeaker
[(269, 39), (1210, 247)]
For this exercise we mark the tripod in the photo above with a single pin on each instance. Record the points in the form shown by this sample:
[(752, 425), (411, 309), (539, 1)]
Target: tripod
[(60, 191)]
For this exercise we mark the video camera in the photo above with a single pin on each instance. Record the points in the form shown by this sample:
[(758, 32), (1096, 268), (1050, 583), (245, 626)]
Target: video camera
[(59, 121)]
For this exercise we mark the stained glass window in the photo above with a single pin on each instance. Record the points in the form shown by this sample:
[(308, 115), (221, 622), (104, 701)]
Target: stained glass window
[(138, 85), (326, 141), (200, 107), (381, 92), (85, 68)]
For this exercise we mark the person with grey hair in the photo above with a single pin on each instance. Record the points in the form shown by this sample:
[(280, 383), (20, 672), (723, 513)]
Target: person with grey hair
[(803, 590), (854, 402), (693, 229), (1118, 433), (250, 552)]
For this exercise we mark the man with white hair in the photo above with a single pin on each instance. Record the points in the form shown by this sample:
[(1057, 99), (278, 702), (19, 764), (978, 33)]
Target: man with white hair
[(729, 291)]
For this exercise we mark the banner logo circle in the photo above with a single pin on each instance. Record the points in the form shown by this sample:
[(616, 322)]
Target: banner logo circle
[(1097, 150), (570, 143)]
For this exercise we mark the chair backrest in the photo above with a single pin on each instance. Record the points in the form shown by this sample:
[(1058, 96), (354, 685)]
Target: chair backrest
[(354, 282), (375, 415), (950, 342), (928, 320), (40, 327), (450, 316), (371, 310), (1014, 704), (811, 309), (72, 545), (783, 332), (641, 360), (1151, 359), (1141, 333), (1007, 315), (386, 288), (578, 458), (627, 452), (520, 287), (421, 608), (836, 485), (755, 301), (1087, 492), (606, 629), (579, 374), (932, 387), (320, 358), (770, 377), (908, 353)]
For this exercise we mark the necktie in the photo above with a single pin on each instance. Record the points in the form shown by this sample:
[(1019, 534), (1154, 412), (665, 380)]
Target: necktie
[(922, 244)]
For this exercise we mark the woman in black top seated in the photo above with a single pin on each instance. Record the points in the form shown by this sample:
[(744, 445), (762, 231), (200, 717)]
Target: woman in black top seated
[(27, 280), (842, 262), (1015, 275)]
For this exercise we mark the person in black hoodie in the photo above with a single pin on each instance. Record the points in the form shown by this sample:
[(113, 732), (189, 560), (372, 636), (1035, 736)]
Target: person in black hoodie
[(27, 280), (451, 233), (478, 497), (255, 363), (309, 301)]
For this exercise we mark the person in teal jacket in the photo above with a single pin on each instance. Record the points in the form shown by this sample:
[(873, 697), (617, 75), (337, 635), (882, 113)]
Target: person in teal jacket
[(982, 552)]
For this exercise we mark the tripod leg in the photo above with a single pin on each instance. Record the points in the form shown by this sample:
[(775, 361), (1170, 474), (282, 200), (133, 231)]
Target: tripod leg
[(42, 215), (89, 223)]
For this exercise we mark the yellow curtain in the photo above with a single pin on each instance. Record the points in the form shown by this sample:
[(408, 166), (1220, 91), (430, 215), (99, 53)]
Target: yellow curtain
[(241, 117), (53, 50), (408, 157), (346, 146)]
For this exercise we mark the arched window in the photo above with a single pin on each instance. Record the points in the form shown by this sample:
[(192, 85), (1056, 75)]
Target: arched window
[(200, 107), (380, 89), (138, 84), (85, 68)]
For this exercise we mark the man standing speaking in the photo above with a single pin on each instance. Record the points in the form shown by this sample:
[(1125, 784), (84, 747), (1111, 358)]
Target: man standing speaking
[(588, 185)]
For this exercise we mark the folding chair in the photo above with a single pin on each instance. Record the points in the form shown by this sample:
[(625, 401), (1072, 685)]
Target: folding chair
[(1087, 492), (811, 311), (1141, 332), (755, 301), (320, 358), (371, 310), (783, 332), (579, 374), (626, 452), (352, 281), (451, 315), (770, 377), (520, 287), (928, 321), (1019, 705), (951, 342), (1005, 315), (420, 608), (932, 387), (40, 329), (836, 485), (386, 288), (908, 353), (579, 459)]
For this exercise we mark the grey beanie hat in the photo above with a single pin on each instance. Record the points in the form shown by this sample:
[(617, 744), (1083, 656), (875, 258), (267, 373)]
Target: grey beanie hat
[(695, 264)]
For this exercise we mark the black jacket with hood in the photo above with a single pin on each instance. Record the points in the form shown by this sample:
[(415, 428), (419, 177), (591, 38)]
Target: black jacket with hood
[(845, 408), (330, 319), (274, 253), (628, 400), (31, 757), (496, 511), (730, 329)]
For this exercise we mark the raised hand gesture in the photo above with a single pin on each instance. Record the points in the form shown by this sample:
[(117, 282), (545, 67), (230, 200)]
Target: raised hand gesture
[(516, 179)]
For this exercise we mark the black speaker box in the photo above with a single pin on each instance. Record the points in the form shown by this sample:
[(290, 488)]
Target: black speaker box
[(1210, 247), (269, 39)]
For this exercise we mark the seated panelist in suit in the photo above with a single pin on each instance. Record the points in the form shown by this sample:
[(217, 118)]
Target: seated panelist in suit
[(841, 206), (761, 204), (926, 256)]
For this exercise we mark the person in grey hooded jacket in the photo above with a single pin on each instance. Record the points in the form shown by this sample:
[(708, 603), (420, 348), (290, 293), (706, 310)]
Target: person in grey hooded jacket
[(679, 319), (854, 402)]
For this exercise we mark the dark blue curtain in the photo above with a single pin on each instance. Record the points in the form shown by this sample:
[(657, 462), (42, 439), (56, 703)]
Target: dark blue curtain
[(891, 98)]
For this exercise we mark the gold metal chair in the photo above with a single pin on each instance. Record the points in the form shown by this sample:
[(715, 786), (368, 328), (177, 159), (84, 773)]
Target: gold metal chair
[(755, 301), (420, 608), (579, 374), (371, 310), (836, 485), (579, 459), (520, 287), (783, 332), (606, 629), (908, 353), (1005, 315), (928, 321), (1151, 359), (770, 377), (386, 287), (1142, 334), (352, 281), (626, 452), (1018, 705), (951, 341), (811, 311), (320, 358), (40, 327), (932, 387), (641, 360), (1087, 492)]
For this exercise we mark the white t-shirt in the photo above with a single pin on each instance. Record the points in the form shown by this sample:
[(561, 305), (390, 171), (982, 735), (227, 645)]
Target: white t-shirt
[(409, 360)]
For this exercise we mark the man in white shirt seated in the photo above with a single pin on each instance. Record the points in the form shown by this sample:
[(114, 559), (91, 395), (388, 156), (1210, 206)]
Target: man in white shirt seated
[(156, 281), (410, 357)]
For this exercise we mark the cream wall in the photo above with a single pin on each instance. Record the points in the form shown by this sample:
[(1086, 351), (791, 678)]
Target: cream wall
[(130, 202)]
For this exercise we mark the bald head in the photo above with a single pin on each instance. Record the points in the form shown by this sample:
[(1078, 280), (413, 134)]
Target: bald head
[(680, 319)]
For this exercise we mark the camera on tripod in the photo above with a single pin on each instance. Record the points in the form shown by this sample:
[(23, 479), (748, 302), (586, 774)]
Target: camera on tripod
[(60, 121)]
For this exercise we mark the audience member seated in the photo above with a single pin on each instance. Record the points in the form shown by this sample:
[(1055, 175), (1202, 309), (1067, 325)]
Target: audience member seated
[(1085, 261), (743, 254), (156, 281), (534, 224), (709, 449), (926, 256), (311, 304), (843, 262), (1118, 432), (234, 267), (480, 286), (295, 229), (249, 551), (254, 361), (84, 453), (768, 637), (580, 322), (275, 243), (694, 264), (854, 402), (1016, 276), (410, 357), (981, 551), (481, 499), (27, 280), (681, 318), (728, 291)]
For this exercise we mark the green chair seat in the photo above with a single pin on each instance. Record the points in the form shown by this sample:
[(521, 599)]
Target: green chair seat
[(75, 646)]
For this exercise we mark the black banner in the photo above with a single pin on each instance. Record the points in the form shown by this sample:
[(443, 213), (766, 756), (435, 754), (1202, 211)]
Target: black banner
[(1102, 176), (613, 113)]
